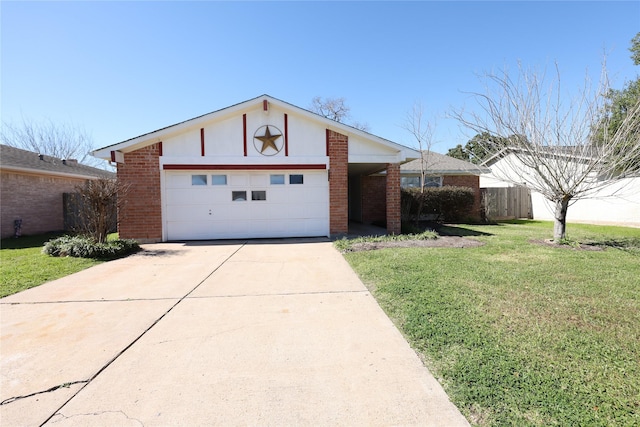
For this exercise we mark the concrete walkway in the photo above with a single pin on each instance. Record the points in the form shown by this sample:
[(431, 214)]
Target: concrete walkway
[(235, 333)]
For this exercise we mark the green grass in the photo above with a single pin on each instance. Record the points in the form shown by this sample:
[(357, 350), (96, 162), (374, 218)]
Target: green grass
[(23, 265), (520, 333)]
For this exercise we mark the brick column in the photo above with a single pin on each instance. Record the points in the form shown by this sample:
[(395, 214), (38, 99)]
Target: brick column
[(393, 198), (140, 210), (338, 151)]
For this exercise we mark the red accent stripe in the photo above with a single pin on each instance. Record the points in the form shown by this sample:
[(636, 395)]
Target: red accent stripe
[(286, 135), (244, 132), (245, 167), (113, 156), (265, 105), (202, 141), (327, 142), (160, 148)]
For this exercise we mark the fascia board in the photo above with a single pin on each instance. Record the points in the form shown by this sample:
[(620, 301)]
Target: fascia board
[(43, 172)]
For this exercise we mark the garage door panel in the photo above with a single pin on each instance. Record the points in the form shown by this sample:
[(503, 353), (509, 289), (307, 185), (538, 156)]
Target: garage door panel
[(290, 210)]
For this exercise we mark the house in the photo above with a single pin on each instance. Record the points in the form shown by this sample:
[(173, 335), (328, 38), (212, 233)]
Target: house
[(31, 189), (440, 171), (615, 204), (260, 168)]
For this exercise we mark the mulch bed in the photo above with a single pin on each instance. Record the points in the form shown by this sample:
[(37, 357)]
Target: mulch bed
[(440, 242)]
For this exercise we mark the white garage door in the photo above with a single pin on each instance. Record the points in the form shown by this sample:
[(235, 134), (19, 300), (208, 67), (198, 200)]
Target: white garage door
[(201, 205)]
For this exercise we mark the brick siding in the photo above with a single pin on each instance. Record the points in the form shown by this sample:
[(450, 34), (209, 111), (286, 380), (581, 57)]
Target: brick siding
[(36, 199), (471, 181), (140, 209), (338, 148), (393, 199), (374, 199)]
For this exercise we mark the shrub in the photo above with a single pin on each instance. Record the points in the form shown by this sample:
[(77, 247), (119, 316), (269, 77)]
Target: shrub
[(85, 247), (448, 203)]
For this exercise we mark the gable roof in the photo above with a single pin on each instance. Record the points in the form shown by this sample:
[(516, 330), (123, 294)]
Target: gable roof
[(439, 164), (564, 152), (19, 160), (160, 134)]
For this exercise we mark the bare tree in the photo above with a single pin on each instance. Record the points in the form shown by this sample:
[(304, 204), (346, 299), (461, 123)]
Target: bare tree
[(421, 130), (549, 140), (61, 140), (97, 207), (335, 109)]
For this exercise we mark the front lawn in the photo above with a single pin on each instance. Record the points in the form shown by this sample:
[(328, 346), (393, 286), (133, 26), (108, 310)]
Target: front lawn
[(522, 333), (23, 265)]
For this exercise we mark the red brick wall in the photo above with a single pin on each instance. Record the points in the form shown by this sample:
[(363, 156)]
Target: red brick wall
[(338, 148), (140, 209), (393, 199), (471, 181), (374, 199), (36, 199)]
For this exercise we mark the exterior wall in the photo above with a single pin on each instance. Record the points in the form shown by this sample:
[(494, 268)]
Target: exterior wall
[(36, 199), (616, 204), (140, 209), (622, 209), (393, 199), (471, 181), (374, 199), (338, 147)]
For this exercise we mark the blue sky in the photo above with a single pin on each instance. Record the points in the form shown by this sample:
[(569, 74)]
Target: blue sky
[(121, 69)]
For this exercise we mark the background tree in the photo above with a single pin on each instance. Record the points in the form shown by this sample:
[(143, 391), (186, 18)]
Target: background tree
[(421, 131), (336, 109), (478, 148), (551, 138), (61, 140), (620, 102)]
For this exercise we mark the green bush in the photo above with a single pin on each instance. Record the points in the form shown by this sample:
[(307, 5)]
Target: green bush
[(85, 247), (450, 204)]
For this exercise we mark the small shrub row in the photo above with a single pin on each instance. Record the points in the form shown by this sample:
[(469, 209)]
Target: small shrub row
[(85, 247), (450, 204)]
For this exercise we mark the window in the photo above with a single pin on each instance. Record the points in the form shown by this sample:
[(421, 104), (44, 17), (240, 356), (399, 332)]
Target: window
[(258, 195), (198, 179), (433, 181), (296, 179), (414, 181), (276, 179), (409, 181), (239, 196), (218, 179)]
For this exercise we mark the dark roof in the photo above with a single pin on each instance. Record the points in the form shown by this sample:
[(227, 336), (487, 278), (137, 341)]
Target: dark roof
[(440, 164), (18, 159)]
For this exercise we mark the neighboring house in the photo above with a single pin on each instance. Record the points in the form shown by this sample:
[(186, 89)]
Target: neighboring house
[(440, 171), (32, 187), (617, 204), (261, 168)]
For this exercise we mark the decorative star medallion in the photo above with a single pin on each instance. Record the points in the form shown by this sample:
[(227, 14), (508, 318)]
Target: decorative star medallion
[(268, 142)]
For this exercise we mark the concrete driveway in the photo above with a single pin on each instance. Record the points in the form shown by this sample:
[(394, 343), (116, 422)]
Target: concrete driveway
[(237, 333)]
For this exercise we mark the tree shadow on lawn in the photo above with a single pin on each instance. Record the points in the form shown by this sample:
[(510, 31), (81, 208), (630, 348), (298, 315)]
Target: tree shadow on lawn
[(628, 244), (453, 230), (25, 242)]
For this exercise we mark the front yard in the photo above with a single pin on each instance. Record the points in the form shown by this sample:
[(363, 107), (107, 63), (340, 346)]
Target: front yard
[(23, 265), (519, 332)]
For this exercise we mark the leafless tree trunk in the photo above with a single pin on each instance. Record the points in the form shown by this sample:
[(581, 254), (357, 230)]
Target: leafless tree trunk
[(61, 140), (549, 138), (421, 130)]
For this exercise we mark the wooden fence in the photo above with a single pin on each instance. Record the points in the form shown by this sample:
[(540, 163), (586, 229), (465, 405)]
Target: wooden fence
[(506, 203)]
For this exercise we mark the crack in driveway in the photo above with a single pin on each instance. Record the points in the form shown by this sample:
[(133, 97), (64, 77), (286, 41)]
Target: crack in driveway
[(49, 390), (120, 353)]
